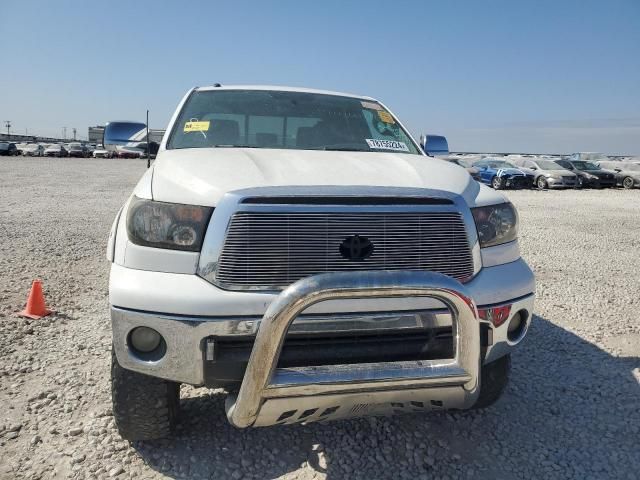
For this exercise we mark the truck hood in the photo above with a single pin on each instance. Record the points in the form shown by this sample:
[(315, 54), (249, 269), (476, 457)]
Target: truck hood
[(201, 176)]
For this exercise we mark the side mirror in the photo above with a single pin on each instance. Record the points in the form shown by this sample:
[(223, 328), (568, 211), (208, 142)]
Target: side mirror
[(533, 168), (434, 145), (125, 134), (617, 169)]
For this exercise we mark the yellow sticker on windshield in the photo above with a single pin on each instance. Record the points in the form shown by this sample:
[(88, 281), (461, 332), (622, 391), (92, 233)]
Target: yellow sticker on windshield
[(196, 126), (386, 117)]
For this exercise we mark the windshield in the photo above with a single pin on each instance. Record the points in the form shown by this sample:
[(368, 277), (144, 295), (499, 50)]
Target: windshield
[(586, 166), (548, 165), (291, 120)]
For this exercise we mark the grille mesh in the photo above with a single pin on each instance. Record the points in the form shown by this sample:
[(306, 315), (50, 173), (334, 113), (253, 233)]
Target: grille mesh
[(273, 250)]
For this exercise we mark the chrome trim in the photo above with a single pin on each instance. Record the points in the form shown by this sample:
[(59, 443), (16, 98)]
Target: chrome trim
[(231, 204), (501, 344), (263, 381), (309, 324), (184, 335)]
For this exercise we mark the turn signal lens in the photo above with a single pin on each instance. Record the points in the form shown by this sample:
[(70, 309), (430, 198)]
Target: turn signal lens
[(496, 315), (167, 225)]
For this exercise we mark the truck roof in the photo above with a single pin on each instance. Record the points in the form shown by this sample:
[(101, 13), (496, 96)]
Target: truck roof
[(282, 89)]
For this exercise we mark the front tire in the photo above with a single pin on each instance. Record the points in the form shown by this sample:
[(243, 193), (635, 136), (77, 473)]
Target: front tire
[(496, 183), (144, 407), (494, 378), (627, 182)]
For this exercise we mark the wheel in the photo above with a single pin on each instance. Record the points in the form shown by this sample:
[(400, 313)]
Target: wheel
[(542, 183), (627, 182), (496, 183), (493, 380), (144, 407)]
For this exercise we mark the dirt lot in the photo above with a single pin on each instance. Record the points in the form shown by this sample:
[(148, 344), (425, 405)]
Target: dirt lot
[(572, 409)]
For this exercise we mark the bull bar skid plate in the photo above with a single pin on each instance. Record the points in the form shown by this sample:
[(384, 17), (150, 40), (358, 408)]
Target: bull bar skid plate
[(269, 395)]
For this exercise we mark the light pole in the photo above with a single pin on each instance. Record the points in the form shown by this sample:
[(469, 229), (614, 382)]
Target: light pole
[(64, 133), (74, 134), (7, 123)]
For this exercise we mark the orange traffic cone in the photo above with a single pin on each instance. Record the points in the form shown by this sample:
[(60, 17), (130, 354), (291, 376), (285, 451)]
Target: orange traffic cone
[(36, 307)]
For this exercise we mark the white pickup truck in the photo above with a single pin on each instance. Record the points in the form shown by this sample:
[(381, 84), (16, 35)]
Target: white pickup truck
[(299, 249)]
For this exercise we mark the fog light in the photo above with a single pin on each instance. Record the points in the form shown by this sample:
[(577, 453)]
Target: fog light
[(516, 327), (145, 339)]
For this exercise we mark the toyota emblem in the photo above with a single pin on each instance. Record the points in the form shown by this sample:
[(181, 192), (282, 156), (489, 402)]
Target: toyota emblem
[(356, 248)]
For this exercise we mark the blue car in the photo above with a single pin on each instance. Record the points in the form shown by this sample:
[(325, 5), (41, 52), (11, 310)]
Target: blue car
[(500, 174)]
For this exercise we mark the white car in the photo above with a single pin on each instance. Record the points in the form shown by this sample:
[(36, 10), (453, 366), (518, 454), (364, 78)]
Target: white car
[(269, 202), (33, 150), (592, 157), (56, 150), (101, 152)]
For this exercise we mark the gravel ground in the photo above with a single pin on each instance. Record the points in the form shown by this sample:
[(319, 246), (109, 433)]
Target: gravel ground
[(572, 409)]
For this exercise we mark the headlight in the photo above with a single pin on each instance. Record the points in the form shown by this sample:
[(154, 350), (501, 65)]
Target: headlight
[(167, 225), (496, 224)]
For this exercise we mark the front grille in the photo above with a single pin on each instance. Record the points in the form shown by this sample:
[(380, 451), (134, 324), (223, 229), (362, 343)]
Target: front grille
[(273, 250)]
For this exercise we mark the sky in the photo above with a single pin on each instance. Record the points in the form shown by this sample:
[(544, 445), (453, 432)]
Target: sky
[(492, 76)]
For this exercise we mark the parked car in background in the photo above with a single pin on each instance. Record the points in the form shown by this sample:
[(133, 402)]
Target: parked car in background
[(8, 149), (589, 174), (77, 150), (500, 174), (627, 173), (101, 152), (20, 147), (588, 157), (56, 150), (33, 150), (547, 173), (462, 162), (129, 152)]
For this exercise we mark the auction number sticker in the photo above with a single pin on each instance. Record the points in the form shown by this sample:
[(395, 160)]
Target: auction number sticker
[(196, 126), (387, 145)]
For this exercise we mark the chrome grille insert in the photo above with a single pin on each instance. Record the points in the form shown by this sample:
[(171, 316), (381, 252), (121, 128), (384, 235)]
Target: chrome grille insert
[(270, 250)]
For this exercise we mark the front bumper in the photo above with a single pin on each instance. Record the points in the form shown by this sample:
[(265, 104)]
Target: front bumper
[(270, 394), (517, 181), (187, 335), (599, 182), (555, 182)]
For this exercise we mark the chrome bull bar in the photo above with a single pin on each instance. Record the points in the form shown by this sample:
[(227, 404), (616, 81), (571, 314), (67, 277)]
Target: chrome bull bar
[(270, 395)]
